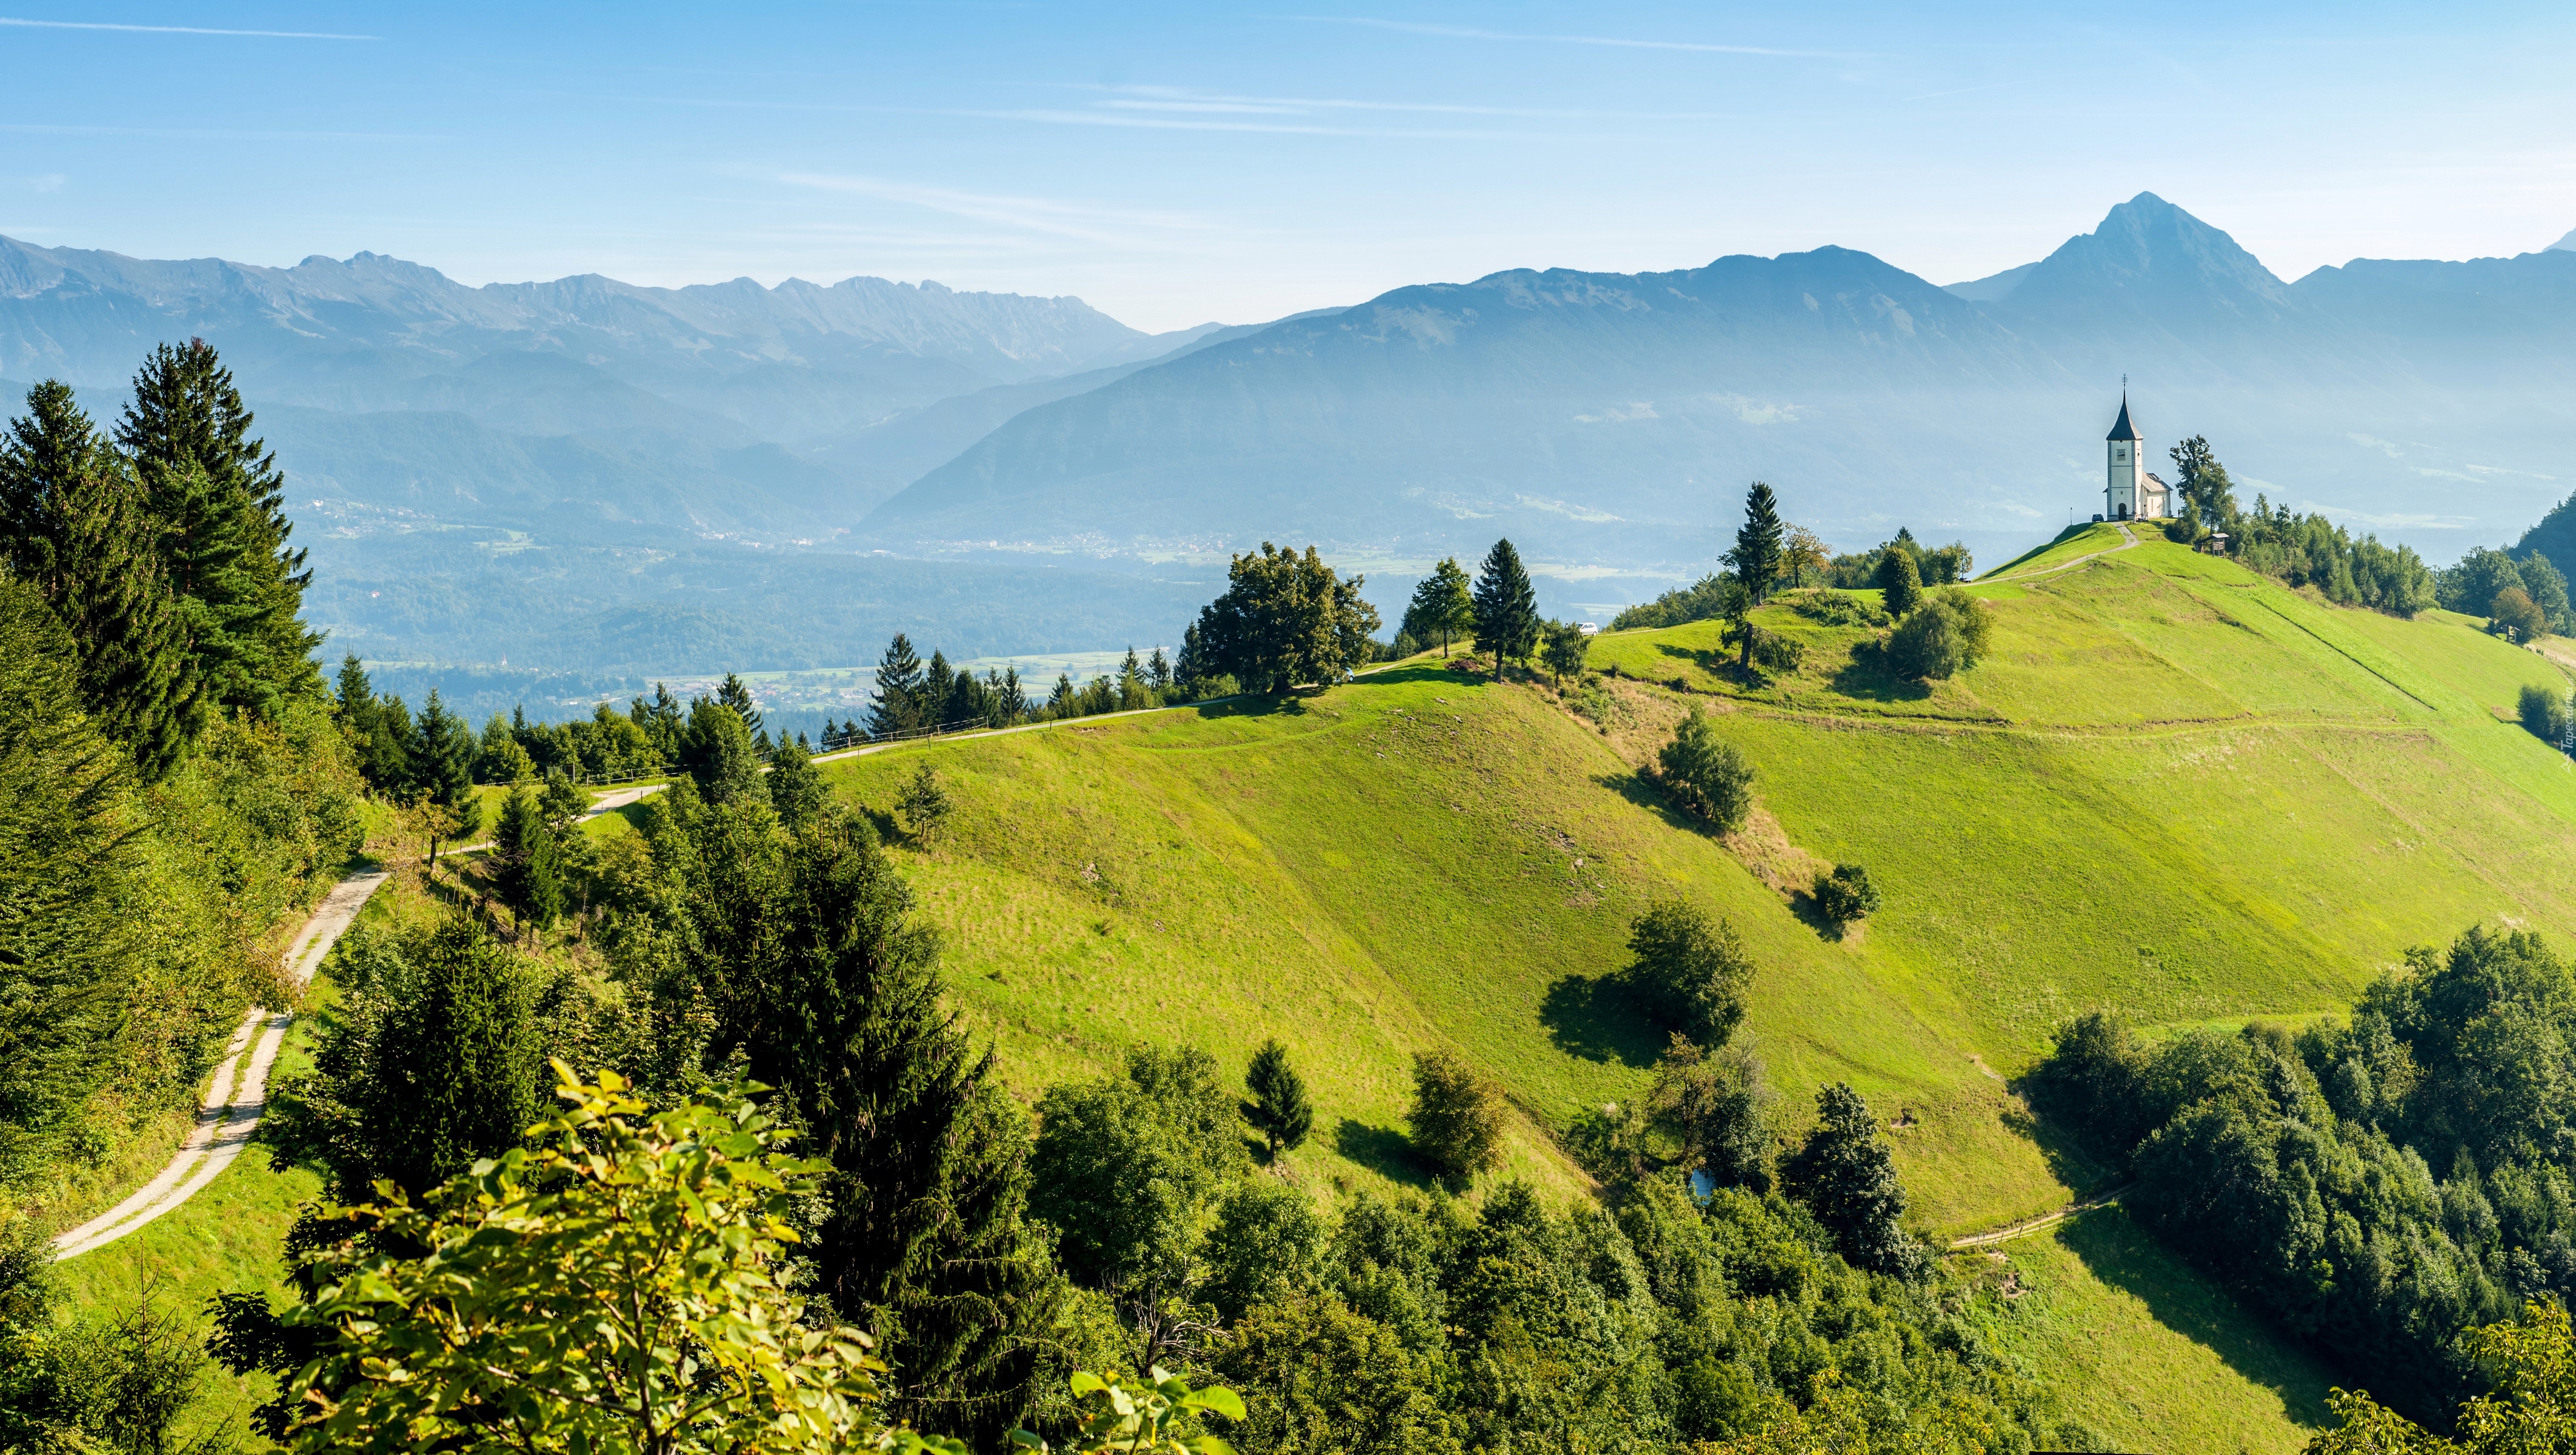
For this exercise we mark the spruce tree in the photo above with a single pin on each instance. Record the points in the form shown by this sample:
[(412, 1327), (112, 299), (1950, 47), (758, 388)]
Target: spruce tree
[(927, 1241), (443, 758), (898, 705), (1758, 552), (1505, 607), (530, 877), (72, 524), (220, 501), (716, 752), (735, 695), (1278, 1110), (937, 683)]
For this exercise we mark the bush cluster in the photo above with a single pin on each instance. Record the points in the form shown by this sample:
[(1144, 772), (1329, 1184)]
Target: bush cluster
[(2382, 1183)]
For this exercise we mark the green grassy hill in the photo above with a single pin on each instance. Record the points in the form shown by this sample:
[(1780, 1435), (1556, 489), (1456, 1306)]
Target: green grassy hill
[(2175, 787)]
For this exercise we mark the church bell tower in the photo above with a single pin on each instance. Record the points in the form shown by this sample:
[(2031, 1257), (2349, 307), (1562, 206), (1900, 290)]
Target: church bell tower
[(2120, 499)]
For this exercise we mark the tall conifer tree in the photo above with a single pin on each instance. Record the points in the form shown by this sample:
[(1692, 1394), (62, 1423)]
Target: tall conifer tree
[(735, 695), (1506, 607), (1758, 552), (898, 705), (220, 501), (72, 525)]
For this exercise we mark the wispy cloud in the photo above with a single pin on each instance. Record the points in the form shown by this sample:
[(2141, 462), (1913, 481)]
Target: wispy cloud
[(1082, 222), (1182, 98), (1461, 32), (179, 29), (1277, 127)]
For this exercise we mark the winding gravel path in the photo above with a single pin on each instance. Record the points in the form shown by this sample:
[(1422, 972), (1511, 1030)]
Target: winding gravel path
[(238, 1092)]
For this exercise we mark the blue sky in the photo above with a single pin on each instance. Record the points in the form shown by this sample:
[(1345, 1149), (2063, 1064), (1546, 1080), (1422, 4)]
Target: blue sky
[(1179, 163)]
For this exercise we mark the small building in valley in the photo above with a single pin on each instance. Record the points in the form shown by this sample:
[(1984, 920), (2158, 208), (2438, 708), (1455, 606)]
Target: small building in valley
[(2134, 493)]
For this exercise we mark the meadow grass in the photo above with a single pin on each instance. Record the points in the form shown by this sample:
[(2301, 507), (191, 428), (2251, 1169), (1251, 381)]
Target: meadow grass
[(2174, 788)]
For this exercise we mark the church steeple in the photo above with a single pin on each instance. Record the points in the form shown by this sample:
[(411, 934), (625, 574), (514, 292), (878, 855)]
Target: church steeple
[(2123, 430), (2124, 494)]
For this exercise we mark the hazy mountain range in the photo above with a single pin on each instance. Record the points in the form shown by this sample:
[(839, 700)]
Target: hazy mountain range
[(585, 472)]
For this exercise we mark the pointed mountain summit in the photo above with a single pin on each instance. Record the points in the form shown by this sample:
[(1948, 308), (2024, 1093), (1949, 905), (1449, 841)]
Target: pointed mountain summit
[(2565, 244), (2150, 257)]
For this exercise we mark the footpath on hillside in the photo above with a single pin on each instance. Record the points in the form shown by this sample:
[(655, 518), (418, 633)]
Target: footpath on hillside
[(237, 1094)]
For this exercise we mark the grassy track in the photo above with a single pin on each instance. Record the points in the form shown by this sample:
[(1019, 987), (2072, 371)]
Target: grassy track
[(2174, 787)]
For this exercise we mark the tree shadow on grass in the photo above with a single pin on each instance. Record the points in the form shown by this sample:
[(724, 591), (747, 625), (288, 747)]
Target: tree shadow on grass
[(1868, 677), (1595, 1018), (2123, 1255), (1384, 1151), (1644, 792), (2067, 1160)]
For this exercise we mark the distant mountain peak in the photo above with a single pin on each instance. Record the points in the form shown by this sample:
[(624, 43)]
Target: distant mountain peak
[(2565, 244)]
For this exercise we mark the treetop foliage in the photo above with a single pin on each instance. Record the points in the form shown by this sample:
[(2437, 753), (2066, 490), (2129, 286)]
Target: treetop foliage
[(1285, 620)]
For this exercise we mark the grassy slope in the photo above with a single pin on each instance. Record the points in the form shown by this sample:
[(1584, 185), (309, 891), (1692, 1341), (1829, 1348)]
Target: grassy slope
[(2175, 787)]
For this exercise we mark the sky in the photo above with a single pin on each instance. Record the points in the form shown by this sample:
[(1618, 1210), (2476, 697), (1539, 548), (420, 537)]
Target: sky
[(1186, 163)]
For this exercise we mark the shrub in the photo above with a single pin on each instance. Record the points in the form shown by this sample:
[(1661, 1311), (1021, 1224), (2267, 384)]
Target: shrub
[(1690, 969), (1457, 1116), (1776, 652), (1832, 608), (1710, 777), (1927, 646), (2514, 611), (1900, 583), (1846, 894), (2184, 528), (2544, 713)]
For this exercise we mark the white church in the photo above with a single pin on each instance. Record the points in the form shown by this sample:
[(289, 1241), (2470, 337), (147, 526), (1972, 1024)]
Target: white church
[(2134, 493)]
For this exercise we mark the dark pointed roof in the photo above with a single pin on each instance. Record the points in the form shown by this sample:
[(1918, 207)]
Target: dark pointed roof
[(2122, 430)]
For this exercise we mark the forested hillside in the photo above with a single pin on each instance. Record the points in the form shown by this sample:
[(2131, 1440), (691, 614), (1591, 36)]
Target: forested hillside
[(173, 791)]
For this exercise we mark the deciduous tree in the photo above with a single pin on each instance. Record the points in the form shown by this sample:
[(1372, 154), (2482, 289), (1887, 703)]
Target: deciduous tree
[(1690, 968), (1846, 1177), (1457, 1115), (1708, 775), (1285, 620)]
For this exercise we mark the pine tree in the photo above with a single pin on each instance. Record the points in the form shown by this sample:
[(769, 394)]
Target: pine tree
[(1758, 553), (73, 525), (1158, 671), (1505, 607), (1443, 605), (387, 756), (1279, 1110), (898, 705), (220, 501), (735, 695)]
